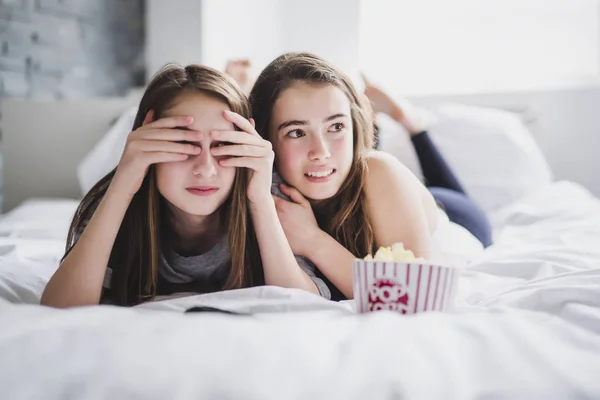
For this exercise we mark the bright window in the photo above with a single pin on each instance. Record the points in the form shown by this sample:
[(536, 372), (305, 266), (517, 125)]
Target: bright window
[(458, 46)]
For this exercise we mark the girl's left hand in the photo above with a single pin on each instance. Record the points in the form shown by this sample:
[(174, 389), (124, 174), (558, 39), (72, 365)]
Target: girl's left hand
[(249, 150), (297, 219)]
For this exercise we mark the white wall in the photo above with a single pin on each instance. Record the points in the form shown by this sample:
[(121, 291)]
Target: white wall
[(252, 31), (213, 31), (173, 33), (328, 28), (567, 121)]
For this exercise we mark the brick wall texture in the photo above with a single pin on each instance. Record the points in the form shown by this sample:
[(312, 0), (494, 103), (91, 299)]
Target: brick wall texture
[(59, 49)]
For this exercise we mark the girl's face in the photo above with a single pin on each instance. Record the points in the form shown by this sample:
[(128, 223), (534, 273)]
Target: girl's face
[(312, 135), (198, 186)]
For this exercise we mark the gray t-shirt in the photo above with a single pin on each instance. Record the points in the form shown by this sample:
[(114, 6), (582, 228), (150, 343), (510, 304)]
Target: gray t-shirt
[(213, 264), (175, 268)]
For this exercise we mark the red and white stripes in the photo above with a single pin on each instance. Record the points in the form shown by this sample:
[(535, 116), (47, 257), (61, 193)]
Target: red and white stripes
[(405, 287)]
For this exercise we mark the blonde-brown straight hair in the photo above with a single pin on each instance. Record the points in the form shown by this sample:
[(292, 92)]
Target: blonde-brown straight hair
[(135, 255), (345, 215)]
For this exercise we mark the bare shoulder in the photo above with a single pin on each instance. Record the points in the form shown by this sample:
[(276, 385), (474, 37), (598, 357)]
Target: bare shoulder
[(391, 186), (384, 169)]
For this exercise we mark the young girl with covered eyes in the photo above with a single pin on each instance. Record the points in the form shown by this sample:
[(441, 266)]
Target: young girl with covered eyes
[(187, 209)]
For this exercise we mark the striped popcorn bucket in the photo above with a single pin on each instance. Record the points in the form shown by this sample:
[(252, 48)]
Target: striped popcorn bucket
[(407, 288)]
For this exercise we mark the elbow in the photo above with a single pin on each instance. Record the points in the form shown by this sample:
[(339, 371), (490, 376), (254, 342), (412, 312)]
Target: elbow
[(55, 303), (347, 290), (51, 299), (48, 299)]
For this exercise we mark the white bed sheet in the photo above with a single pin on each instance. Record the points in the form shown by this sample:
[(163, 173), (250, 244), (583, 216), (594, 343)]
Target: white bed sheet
[(527, 325)]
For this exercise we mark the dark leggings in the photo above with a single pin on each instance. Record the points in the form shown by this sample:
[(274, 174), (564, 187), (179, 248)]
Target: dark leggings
[(448, 192)]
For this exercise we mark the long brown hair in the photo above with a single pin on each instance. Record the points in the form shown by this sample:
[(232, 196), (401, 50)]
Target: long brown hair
[(135, 255), (343, 216)]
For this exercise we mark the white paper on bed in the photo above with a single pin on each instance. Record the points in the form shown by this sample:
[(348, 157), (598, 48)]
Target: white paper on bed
[(528, 327)]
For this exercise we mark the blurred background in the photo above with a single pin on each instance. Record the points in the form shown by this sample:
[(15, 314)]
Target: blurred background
[(537, 59)]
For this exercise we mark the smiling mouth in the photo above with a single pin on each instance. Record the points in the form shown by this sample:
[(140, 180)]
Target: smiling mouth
[(320, 174)]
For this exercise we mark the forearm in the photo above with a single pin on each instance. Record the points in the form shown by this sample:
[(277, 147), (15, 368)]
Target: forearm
[(78, 280), (397, 115), (412, 124), (279, 264), (333, 260)]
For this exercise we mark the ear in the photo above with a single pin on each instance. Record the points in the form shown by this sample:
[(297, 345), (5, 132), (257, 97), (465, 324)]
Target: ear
[(149, 117)]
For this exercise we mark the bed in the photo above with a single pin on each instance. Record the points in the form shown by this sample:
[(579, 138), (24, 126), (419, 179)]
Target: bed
[(526, 324)]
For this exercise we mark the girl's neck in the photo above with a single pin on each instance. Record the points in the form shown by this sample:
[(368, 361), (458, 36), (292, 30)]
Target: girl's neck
[(192, 235)]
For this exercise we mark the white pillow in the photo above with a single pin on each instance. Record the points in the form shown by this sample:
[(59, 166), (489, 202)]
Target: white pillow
[(394, 139), (22, 282), (106, 154), (491, 151), (38, 218)]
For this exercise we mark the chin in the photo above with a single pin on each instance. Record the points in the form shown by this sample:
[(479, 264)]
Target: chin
[(198, 210), (205, 212), (320, 193)]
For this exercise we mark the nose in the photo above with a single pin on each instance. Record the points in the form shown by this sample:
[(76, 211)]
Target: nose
[(319, 150), (204, 164)]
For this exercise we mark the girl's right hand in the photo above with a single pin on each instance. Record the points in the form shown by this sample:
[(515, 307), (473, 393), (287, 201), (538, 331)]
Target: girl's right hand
[(153, 143)]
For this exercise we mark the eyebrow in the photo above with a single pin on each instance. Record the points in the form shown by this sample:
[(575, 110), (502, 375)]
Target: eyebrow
[(300, 122)]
